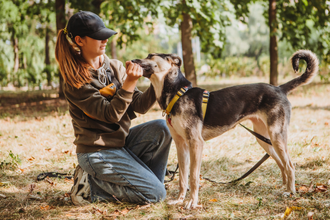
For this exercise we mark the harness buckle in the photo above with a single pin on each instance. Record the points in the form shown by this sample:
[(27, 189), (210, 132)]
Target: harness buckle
[(163, 113)]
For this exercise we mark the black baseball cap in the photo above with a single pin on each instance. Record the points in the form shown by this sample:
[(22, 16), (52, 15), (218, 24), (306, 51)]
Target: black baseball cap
[(86, 23)]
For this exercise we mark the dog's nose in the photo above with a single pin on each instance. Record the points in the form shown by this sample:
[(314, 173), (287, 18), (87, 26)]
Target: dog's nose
[(134, 61)]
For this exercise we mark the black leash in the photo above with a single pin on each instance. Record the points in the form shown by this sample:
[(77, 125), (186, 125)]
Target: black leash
[(169, 172), (263, 159), (42, 176)]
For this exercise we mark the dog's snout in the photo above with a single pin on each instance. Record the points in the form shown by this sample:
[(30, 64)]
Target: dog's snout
[(135, 61)]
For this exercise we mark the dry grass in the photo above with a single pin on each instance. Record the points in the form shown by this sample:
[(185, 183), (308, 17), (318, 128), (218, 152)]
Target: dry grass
[(41, 136)]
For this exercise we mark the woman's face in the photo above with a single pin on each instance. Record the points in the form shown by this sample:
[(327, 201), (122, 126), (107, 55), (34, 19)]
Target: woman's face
[(91, 46)]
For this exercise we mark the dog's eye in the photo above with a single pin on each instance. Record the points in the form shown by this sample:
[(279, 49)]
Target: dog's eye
[(155, 65)]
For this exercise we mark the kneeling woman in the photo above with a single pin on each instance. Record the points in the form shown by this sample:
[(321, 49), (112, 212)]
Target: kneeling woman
[(116, 162)]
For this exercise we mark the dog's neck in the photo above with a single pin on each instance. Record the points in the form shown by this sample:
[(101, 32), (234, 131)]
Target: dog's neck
[(167, 87)]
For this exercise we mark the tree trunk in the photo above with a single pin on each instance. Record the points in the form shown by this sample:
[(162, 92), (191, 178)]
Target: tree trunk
[(187, 53), (60, 24), (273, 50), (47, 57), (113, 49), (16, 54)]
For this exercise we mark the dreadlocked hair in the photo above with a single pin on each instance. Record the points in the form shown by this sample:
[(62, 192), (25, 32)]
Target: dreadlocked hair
[(74, 69)]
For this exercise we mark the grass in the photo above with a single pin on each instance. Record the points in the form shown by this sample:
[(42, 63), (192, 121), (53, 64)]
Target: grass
[(36, 136)]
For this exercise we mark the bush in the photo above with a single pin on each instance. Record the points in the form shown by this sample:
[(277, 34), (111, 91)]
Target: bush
[(237, 66)]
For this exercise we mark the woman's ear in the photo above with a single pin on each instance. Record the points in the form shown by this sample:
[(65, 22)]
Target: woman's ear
[(79, 41)]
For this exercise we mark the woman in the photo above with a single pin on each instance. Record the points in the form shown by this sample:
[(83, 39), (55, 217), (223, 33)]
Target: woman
[(115, 162)]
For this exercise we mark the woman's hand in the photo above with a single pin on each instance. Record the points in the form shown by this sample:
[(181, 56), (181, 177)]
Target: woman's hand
[(134, 72)]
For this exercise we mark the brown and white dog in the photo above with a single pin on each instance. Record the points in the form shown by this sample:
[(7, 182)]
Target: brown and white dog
[(265, 105)]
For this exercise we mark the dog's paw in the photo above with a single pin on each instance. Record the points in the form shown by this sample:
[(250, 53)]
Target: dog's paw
[(175, 201), (192, 205)]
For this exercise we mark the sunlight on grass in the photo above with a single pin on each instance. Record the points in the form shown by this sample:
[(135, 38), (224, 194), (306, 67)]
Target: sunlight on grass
[(36, 140)]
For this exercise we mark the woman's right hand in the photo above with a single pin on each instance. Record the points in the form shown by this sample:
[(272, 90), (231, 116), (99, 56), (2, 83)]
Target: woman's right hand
[(134, 72)]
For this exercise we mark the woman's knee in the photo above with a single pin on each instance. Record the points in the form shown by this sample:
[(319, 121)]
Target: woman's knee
[(161, 123), (157, 195)]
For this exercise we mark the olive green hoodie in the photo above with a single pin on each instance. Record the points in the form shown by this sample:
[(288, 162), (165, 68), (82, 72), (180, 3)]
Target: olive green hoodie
[(112, 116)]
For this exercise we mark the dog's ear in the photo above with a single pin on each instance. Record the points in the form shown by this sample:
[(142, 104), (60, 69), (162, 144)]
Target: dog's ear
[(176, 60)]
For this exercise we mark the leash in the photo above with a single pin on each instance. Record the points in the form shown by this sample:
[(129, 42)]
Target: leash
[(263, 159), (42, 176)]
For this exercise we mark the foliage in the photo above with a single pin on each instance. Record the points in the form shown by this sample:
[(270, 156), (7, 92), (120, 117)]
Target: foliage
[(250, 38), (130, 16), (25, 21), (11, 162), (209, 20), (237, 66), (302, 24)]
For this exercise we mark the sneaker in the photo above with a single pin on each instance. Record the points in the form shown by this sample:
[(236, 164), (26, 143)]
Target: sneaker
[(80, 191)]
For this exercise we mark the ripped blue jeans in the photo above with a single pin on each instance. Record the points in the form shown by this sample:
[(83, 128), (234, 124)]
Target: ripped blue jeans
[(134, 173)]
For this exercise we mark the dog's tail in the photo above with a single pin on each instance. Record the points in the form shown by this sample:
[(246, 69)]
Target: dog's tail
[(310, 72)]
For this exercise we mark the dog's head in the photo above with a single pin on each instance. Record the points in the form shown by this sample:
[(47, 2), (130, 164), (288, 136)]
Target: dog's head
[(156, 63)]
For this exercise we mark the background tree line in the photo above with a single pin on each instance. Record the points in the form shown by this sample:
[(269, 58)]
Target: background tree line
[(226, 29)]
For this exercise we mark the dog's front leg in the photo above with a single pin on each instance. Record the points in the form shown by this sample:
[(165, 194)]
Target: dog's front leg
[(196, 148), (183, 159)]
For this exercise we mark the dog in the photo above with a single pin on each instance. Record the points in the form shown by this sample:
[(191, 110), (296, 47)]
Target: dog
[(265, 105)]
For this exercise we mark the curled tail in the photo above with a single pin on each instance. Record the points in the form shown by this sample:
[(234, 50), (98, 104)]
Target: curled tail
[(310, 72)]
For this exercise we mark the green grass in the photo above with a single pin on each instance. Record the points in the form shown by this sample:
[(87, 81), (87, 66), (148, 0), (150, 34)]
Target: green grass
[(38, 138)]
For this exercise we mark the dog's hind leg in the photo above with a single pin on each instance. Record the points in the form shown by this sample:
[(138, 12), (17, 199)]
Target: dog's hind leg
[(260, 128), (278, 136), (183, 160)]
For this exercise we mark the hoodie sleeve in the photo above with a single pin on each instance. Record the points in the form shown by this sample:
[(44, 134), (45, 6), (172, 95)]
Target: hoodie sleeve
[(91, 102), (143, 101)]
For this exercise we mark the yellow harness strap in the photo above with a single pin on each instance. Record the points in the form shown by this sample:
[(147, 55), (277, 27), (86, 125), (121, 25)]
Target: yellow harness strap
[(180, 93), (206, 96)]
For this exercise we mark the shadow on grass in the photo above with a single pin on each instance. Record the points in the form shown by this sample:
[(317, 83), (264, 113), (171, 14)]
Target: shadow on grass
[(45, 198)]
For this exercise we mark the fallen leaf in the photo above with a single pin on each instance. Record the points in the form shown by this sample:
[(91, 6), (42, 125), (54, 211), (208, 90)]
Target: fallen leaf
[(65, 151), (289, 210), (100, 211), (321, 188), (46, 207), (213, 200), (303, 189), (31, 159)]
